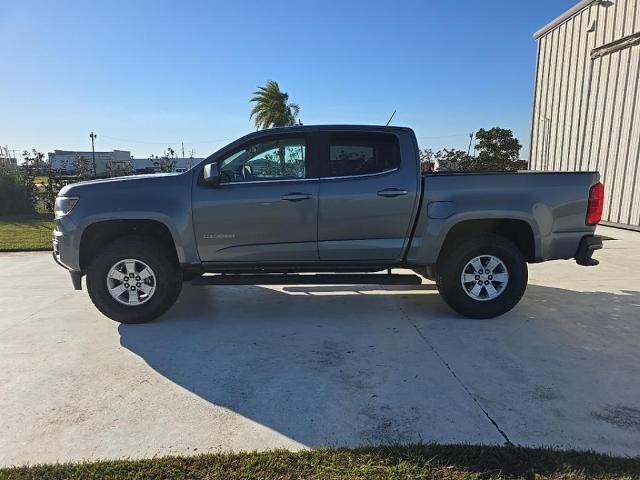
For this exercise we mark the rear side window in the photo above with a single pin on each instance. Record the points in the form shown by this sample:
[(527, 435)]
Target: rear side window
[(361, 154)]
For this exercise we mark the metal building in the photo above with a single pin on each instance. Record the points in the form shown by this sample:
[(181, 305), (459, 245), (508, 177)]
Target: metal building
[(64, 159), (586, 108)]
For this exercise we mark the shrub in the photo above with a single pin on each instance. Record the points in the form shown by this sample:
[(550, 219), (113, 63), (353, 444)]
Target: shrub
[(497, 151), (16, 192)]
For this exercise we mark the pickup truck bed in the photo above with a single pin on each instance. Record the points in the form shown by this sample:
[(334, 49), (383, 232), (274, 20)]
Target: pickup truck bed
[(541, 200)]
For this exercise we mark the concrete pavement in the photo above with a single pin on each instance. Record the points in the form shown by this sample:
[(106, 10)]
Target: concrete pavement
[(232, 368)]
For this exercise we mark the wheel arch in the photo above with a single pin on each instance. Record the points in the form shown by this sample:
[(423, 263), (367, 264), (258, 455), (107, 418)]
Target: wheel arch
[(517, 230), (100, 233)]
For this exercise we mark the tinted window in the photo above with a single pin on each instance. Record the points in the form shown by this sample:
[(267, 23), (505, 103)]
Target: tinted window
[(362, 154), (281, 159)]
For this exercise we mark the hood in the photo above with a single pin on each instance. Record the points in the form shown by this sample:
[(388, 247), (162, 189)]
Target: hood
[(75, 189)]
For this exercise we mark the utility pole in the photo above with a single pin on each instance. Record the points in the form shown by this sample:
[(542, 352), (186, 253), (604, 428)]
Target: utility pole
[(93, 153), (470, 140)]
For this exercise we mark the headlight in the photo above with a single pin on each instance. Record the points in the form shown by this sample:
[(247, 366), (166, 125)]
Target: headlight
[(64, 205)]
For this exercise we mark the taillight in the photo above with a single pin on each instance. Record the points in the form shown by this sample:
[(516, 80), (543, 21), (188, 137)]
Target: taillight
[(596, 202)]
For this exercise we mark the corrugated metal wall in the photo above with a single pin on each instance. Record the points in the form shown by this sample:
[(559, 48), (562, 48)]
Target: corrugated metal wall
[(586, 112)]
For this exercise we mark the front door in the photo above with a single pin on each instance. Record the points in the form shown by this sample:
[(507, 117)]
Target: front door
[(265, 208), (367, 198)]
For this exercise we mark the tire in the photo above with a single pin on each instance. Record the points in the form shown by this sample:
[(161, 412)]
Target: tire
[(479, 301), (165, 282)]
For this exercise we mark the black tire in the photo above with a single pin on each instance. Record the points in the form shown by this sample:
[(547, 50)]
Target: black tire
[(168, 279), (453, 262)]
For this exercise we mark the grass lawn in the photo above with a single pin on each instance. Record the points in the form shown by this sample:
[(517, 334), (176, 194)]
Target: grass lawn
[(26, 232), (41, 179), (451, 462)]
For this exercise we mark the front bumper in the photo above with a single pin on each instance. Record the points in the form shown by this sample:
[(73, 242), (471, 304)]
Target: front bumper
[(76, 277), (587, 246), (64, 254)]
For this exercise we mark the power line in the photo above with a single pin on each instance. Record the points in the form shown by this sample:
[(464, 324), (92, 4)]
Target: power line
[(445, 136), (166, 141)]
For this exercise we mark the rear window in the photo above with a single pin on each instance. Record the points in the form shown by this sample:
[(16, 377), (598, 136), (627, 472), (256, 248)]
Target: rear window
[(362, 154)]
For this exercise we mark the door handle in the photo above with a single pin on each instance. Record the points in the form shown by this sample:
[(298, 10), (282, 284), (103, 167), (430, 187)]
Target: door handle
[(392, 192), (296, 197)]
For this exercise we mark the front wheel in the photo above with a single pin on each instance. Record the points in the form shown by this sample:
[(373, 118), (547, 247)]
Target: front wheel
[(133, 280), (482, 277)]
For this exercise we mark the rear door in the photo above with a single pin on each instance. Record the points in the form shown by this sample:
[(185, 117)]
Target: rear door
[(367, 196), (265, 209)]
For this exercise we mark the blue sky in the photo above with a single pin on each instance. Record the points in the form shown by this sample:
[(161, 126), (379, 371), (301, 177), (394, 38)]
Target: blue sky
[(145, 75)]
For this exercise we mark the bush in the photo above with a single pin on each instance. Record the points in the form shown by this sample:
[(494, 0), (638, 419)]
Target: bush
[(41, 181), (497, 151), (16, 192)]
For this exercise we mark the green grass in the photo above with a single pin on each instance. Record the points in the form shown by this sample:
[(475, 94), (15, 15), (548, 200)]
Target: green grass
[(41, 179), (451, 462), (26, 232)]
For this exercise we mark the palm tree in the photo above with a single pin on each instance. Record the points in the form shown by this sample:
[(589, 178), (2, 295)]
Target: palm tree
[(271, 107)]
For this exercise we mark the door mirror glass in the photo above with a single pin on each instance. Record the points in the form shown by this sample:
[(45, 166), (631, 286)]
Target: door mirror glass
[(211, 174)]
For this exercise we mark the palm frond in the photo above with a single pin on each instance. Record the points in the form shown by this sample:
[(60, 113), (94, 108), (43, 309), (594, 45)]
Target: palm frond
[(271, 107)]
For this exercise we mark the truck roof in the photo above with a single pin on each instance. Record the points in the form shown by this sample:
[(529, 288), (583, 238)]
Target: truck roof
[(342, 127), (308, 128)]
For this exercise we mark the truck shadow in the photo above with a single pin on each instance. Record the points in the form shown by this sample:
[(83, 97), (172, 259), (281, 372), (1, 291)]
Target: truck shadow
[(346, 366)]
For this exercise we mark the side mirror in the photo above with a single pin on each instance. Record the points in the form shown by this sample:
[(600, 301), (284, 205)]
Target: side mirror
[(211, 174)]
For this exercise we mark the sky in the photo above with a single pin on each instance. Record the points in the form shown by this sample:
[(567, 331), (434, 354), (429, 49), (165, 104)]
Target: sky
[(147, 75)]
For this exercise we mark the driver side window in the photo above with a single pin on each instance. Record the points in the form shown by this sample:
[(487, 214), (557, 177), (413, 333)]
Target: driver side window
[(281, 159)]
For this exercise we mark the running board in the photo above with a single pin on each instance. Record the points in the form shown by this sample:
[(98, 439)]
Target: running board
[(313, 279)]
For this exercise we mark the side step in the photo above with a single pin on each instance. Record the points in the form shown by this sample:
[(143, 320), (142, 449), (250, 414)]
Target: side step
[(306, 279)]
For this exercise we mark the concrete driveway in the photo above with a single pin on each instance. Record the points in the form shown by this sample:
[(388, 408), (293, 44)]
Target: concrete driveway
[(233, 368)]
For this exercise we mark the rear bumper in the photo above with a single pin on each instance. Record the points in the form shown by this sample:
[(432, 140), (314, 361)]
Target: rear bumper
[(588, 245)]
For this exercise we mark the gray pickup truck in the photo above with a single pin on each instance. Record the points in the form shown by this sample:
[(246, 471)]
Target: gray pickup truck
[(317, 205)]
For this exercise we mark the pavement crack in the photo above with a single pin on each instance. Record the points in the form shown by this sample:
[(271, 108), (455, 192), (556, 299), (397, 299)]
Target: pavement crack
[(453, 374)]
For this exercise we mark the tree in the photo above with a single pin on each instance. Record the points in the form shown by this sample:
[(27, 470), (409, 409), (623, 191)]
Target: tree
[(498, 150), (444, 160), (33, 165), (272, 107), (44, 192), (428, 162), (83, 167), (119, 168), (167, 162), (17, 191)]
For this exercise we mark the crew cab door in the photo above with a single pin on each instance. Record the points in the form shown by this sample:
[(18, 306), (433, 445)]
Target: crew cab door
[(367, 196), (265, 207)]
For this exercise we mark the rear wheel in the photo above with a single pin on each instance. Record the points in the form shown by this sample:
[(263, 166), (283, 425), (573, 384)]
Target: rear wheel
[(482, 277), (134, 280)]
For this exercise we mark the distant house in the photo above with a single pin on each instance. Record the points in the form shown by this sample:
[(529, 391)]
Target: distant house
[(6, 160), (65, 160), (10, 162)]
